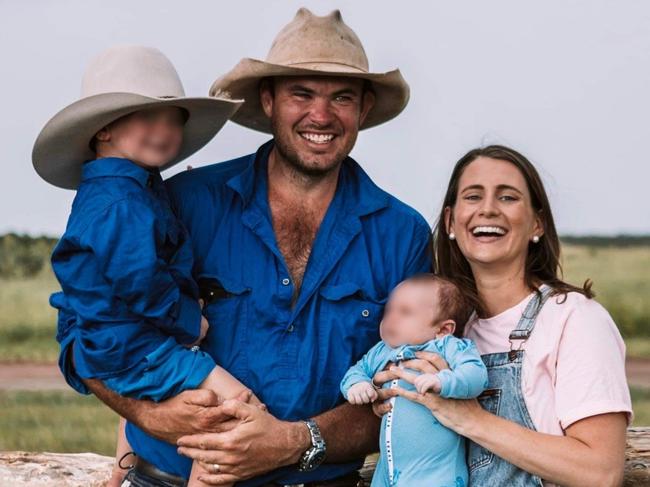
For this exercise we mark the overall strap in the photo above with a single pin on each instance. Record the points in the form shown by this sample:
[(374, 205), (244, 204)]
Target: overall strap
[(527, 321)]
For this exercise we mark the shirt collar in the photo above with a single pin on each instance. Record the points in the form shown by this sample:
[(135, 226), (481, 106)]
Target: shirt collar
[(117, 167), (362, 195)]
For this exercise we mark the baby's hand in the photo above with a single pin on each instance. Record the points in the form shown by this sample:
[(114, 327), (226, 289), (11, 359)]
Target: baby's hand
[(362, 393), (427, 382)]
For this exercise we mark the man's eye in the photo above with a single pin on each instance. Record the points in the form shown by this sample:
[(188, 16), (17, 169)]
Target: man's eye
[(343, 99), (301, 94)]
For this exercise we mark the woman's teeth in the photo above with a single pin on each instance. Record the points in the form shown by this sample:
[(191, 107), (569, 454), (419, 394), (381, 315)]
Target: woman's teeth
[(489, 230), (318, 138)]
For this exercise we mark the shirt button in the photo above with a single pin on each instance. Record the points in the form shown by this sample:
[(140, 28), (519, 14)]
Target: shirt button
[(286, 281), (365, 313), (290, 328)]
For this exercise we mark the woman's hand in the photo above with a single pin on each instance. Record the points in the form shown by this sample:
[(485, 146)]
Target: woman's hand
[(456, 414)]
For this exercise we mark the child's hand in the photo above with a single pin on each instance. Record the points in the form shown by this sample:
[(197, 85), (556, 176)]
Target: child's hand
[(427, 382), (205, 326), (362, 393)]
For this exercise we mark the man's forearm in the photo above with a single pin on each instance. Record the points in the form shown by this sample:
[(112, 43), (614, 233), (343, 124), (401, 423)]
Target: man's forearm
[(350, 432), (133, 410)]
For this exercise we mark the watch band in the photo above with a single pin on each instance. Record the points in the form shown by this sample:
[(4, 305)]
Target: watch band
[(315, 455)]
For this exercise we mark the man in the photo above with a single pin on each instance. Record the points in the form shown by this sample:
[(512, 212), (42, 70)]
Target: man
[(296, 251)]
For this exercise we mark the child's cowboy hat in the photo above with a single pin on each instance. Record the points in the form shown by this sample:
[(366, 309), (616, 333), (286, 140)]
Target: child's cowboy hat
[(119, 81), (311, 46)]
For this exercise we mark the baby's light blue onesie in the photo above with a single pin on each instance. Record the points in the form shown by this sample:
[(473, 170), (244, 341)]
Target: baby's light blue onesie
[(416, 450)]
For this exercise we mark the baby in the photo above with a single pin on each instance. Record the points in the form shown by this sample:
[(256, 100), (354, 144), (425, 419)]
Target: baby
[(422, 314), (130, 306)]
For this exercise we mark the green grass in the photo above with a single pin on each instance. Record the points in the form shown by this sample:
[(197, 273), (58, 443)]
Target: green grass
[(66, 422), (56, 421), (620, 275), (27, 322)]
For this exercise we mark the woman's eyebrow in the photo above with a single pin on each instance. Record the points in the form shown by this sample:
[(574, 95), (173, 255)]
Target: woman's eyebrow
[(500, 187)]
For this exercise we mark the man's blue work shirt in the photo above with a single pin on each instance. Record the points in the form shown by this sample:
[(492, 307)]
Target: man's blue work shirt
[(292, 357), (125, 266)]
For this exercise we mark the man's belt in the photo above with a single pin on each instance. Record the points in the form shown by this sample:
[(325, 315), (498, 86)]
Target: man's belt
[(145, 468)]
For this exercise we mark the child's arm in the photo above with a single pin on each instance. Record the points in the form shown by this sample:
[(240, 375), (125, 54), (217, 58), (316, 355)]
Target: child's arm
[(356, 385), (128, 259), (465, 379)]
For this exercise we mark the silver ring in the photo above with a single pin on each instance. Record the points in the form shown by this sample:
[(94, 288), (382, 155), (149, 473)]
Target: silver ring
[(216, 467)]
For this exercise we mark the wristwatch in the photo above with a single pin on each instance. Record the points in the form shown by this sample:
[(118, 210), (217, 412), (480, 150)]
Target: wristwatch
[(315, 455)]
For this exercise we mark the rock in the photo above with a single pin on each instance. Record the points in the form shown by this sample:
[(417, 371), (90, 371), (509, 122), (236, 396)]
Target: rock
[(19, 469)]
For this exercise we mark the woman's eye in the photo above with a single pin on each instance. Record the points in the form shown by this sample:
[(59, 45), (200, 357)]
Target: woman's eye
[(472, 197), (507, 197)]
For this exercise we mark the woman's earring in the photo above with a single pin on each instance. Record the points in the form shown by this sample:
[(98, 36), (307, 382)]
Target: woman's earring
[(452, 236), (535, 239)]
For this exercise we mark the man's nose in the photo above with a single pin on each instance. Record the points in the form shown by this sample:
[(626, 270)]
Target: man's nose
[(320, 112)]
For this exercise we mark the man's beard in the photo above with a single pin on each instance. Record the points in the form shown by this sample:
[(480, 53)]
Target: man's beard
[(290, 156)]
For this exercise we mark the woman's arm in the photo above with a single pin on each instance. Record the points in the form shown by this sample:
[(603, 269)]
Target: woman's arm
[(591, 453)]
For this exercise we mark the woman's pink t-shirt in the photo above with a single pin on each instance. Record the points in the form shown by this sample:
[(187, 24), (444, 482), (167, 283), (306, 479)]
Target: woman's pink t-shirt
[(574, 364)]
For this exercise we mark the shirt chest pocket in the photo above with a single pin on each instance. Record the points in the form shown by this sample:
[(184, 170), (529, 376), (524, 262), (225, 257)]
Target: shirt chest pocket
[(350, 318), (227, 304)]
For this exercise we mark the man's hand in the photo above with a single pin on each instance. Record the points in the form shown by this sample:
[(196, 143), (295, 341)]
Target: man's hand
[(258, 443), (187, 413), (362, 393)]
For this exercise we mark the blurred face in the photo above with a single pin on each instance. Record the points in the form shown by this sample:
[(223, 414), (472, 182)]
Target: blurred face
[(315, 120), (409, 315), (150, 138), (493, 218)]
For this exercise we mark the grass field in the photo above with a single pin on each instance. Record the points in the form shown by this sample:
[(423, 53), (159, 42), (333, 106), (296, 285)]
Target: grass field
[(621, 280), (67, 422)]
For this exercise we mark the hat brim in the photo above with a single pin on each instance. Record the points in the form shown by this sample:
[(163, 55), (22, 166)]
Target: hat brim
[(391, 90), (63, 145)]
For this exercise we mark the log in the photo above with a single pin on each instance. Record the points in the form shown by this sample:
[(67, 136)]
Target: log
[(90, 470)]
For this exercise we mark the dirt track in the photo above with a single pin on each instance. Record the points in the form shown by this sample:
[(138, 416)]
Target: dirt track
[(40, 377)]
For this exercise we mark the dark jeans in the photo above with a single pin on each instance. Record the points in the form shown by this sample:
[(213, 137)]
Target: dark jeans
[(139, 479)]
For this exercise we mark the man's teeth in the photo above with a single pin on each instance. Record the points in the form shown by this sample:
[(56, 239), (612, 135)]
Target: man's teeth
[(318, 138), (497, 230)]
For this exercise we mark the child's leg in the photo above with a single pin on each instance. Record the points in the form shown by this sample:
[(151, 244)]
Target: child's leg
[(123, 448), (226, 387)]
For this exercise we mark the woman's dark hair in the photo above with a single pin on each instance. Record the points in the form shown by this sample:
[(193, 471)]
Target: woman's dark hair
[(543, 259)]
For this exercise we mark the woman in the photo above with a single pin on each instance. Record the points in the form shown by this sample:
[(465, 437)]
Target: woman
[(557, 405)]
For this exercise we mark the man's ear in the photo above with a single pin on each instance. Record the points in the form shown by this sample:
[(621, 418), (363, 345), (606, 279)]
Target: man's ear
[(367, 102), (266, 97), (447, 327)]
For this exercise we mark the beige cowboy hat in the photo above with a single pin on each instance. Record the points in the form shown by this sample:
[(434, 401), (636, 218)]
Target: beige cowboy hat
[(122, 80), (311, 46)]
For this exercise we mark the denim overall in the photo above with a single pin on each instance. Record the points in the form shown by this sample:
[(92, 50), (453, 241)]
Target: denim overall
[(505, 399)]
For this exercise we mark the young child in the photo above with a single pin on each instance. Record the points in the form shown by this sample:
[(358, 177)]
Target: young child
[(422, 314), (130, 306)]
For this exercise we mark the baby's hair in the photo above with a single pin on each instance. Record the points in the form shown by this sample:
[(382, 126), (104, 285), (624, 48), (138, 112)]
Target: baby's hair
[(452, 302)]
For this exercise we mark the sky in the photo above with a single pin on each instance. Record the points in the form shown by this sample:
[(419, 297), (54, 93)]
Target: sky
[(565, 82)]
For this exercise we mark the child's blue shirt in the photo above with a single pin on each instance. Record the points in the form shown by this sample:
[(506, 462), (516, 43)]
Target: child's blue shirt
[(125, 267), (415, 448)]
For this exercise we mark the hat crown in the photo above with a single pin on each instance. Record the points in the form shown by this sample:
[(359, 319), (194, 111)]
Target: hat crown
[(132, 69), (311, 39)]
